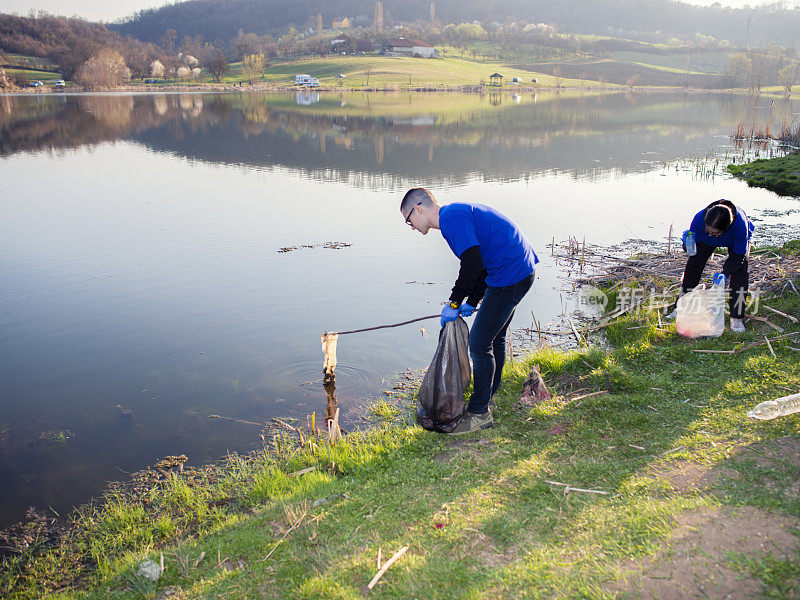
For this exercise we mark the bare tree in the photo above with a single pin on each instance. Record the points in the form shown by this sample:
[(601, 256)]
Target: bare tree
[(167, 41), (217, 64), (738, 69), (557, 75), (758, 69), (319, 23), (377, 21), (137, 60), (789, 75), (104, 71), (433, 12)]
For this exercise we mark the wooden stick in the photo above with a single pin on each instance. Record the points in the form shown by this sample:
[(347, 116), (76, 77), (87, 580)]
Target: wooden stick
[(284, 424), (569, 488), (588, 395), (575, 332), (777, 328), (681, 447), (385, 567), (280, 541), (669, 240), (234, 420), (715, 351), (766, 339), (302, 472), (783, 314)]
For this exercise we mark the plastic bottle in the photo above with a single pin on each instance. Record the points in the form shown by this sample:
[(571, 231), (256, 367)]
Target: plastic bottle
[(779, 407), (691, 247), (720, 279)]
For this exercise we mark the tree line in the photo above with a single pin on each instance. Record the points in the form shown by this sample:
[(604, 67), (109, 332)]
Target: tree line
[(652, 20), (99, 58)]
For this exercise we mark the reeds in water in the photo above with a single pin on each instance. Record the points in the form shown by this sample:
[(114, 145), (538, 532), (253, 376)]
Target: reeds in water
[(789, 133)]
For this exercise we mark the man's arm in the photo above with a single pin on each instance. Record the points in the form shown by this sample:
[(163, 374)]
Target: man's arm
[(471, 277)]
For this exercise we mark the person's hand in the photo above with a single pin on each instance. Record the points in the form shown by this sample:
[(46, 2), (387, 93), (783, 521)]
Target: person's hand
[(466, 310), (684, 235), (448, 314)]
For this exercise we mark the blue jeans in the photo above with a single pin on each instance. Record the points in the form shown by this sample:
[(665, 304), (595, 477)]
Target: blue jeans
[(487, 340)]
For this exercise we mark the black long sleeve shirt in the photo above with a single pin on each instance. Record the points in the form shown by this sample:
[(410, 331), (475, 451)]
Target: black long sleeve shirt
[(471, 282)]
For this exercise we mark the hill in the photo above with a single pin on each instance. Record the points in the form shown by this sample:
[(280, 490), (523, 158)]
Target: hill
[(647, 19)]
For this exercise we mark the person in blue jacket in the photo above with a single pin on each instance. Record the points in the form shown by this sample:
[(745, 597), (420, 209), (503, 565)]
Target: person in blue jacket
[(497, 269), (722, 224)]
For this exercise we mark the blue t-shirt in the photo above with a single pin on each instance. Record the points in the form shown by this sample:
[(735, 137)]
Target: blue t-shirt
[(507, 254), (736, 238)]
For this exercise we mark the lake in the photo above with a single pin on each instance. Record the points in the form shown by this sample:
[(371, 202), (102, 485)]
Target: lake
[(164, 258)]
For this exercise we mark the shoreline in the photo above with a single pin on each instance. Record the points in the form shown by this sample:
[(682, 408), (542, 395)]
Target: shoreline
[(201, 502), (464, 89)]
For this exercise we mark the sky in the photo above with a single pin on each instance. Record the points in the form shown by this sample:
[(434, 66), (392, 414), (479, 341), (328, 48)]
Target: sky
[(111, 10)]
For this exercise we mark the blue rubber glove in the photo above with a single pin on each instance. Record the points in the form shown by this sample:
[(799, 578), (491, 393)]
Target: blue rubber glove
[(683, 236), (466, 310), (448, 314), (720, 279)]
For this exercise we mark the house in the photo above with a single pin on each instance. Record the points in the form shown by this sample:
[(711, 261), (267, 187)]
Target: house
[(340, 42), (346, 44), (364, 45), (341, 23), (410, 47)]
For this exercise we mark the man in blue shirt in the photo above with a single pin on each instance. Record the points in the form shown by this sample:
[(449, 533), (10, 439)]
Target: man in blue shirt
[(722, 224), (497, 266)]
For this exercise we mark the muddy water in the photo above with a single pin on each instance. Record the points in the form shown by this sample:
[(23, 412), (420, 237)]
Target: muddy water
[(165, 258)]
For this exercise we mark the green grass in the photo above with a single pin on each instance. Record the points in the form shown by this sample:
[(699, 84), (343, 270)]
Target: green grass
[(476, 512), (380, 71), (709, 62), (44, 77), (780, 175)]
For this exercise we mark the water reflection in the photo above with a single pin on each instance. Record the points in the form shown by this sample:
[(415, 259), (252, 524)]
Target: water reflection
[(495, 136)]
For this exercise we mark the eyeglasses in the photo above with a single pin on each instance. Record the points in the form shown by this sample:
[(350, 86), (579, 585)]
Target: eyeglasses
[(408, 218), (713, 232)]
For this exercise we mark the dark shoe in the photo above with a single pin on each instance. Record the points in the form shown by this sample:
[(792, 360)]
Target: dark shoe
[(470, 422)]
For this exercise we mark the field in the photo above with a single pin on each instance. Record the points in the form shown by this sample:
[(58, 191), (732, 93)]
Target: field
[(621, 72), (379, 71), (698, 63)]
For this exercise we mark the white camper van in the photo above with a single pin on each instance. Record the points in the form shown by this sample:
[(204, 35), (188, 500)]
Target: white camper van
[(306, 80)]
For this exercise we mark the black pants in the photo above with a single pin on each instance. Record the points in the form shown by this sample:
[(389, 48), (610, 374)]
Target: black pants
[(737, 279)]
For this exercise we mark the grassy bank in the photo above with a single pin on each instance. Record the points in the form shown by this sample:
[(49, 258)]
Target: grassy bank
[(780, 175), (698, 498), (382, 71)]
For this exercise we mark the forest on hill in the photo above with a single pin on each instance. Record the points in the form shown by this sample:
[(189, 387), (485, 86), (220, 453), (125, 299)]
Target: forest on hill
[(644, 19)]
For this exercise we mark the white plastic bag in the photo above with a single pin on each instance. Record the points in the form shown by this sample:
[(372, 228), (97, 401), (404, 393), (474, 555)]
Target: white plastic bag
[(701, 312)]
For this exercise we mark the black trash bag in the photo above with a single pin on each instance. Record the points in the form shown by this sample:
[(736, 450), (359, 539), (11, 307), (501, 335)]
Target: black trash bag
[(440, 400)]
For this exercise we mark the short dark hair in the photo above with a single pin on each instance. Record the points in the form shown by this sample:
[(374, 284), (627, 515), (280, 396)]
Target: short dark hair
[(719, 215), (416, 196)]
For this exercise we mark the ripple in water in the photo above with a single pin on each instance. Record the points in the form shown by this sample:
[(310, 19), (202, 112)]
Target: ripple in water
[(311, 373)]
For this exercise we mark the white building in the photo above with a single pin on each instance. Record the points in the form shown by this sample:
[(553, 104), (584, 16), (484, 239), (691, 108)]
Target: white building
[(411, 48)]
